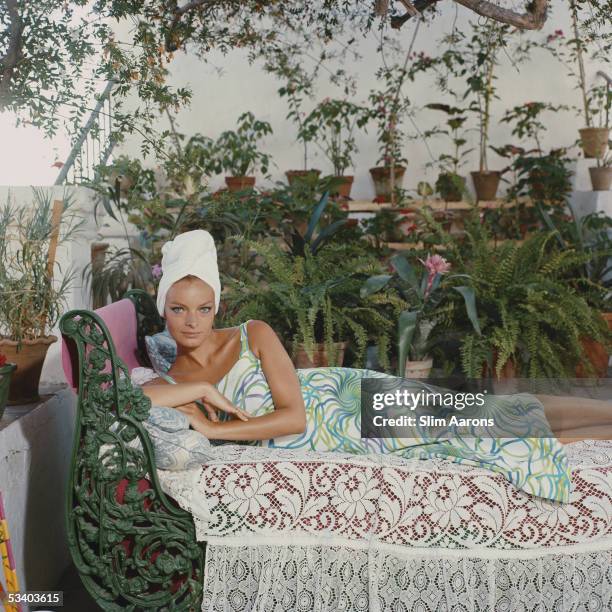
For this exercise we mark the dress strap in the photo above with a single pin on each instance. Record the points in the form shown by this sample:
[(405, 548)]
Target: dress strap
[(244, 338)]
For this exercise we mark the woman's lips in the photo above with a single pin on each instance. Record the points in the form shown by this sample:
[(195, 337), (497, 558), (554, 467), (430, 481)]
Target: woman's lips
[(191, 334)]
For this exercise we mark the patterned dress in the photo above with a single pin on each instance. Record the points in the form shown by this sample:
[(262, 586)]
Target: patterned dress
[(537, 465)]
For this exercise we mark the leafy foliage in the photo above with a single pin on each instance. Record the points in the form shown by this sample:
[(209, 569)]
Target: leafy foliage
[(528, 311), (31, 301), (315, 298)]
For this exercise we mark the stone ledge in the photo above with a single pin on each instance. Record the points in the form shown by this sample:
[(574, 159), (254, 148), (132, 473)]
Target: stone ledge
[(35, 454)]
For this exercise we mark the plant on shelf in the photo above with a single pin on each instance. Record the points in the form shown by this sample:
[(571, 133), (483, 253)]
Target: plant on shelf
[(531, 317), (450, 185), (426, 292), (313, 302), (571, 52), (334, 122), (32, 299), (477, 55), (238, 151), (545, 178), (601, 175), (298, 85), (388, 108), (6, 370)]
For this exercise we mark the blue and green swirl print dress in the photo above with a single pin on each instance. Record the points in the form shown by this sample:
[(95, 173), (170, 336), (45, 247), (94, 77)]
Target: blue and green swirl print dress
[(538, 466)]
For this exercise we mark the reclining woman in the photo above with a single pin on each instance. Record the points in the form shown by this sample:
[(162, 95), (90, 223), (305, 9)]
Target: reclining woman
[(246, 373)]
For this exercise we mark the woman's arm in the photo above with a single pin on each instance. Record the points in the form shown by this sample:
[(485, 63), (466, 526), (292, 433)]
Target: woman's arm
[(289, 416), (578, 418), (182, 395)]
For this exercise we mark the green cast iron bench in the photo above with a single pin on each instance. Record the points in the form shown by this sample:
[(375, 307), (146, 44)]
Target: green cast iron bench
[(132, 545)]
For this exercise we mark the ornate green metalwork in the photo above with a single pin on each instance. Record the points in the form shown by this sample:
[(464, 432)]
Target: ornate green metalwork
[(149, 321), (131, 550)]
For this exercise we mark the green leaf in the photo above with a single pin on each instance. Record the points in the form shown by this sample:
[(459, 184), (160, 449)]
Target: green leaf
[(405, 270), (406, 328), (316, 215), (107, 206), (374, 284), (470, 305)]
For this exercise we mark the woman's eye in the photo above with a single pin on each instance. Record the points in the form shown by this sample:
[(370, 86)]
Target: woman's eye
[(205, 309), (175, 308)]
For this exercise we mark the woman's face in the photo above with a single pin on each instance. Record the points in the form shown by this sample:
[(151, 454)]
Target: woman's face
[(190, 311)]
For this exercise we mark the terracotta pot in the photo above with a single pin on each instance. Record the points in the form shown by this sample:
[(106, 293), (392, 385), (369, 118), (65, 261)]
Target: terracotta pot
[(594, 141), (239, 183), (418, 369), (5, 379), (486, 184), (444, 218), (319, 359), (29, 361), (343, 189), (601, 178), (596, 353), (447, 188), (295, 176), (381, 175), (508, 371)]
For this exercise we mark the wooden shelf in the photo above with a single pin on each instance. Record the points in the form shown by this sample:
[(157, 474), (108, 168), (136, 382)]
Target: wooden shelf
[(407, 246), (436, 205)]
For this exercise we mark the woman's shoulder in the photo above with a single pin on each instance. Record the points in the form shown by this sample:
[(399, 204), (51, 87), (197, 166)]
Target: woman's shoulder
[(259, 334)]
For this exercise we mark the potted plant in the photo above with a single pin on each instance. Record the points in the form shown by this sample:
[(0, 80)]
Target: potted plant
[(427, 294), (589, 238), (594, 139), (601, 175), (571, 53), (545, 177), (388, 108), (298, 84), (238, 153), (335, 121), (449, 184), (6, 369), (32, 299), (483, 48), (530, 314)]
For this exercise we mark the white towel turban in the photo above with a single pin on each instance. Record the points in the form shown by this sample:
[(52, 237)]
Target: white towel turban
[(192, 253)]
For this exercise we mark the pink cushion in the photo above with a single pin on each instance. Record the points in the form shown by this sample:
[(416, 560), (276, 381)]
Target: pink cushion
[(120, 319)]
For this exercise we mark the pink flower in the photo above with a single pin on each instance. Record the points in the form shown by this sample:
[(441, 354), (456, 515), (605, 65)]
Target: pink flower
[(156, 271), (434, 264)]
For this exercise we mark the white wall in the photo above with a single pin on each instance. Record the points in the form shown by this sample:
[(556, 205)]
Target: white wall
[(220, 98)]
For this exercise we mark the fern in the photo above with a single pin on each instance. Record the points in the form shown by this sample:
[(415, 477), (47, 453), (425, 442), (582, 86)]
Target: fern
[(529, 311)]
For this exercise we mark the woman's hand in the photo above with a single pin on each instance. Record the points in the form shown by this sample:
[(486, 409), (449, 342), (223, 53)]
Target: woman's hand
[(197, 420), (214, 400)]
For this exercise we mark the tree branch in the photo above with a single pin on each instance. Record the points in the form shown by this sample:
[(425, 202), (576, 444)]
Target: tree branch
[(14, 52), (179, 11), (533, 18)]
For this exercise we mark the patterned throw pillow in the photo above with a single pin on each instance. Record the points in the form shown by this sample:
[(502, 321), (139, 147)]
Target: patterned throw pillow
[(161, 349), (176, 447)]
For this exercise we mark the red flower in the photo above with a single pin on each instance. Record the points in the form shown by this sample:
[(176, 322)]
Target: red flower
[(2, 359)]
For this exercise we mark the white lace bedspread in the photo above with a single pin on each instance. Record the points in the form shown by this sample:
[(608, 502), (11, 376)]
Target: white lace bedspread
[(251, 496), (340, 579)]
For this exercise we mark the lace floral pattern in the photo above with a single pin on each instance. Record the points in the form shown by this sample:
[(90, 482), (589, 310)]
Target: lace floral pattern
[(339, 579), (259, 495)]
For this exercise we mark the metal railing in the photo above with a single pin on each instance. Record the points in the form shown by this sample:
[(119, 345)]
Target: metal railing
[(94, 144)]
